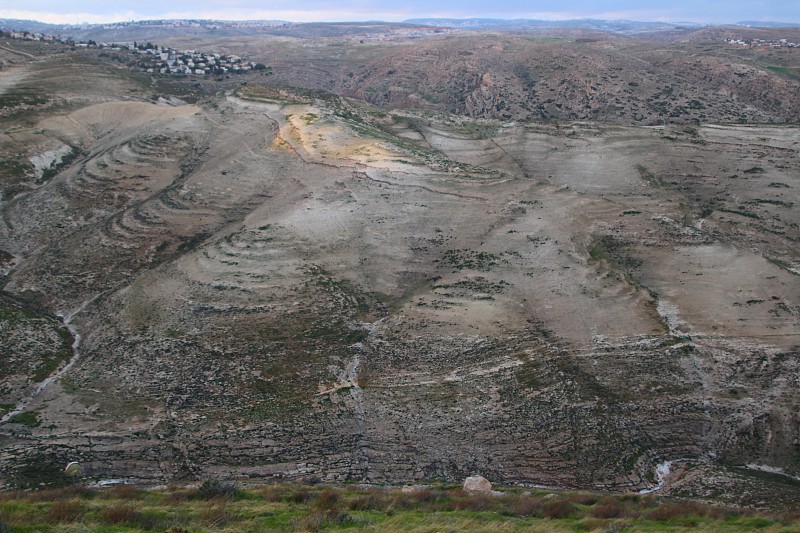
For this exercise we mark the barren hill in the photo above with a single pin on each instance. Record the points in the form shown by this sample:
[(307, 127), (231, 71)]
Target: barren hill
[(534, 77), (283, 283)]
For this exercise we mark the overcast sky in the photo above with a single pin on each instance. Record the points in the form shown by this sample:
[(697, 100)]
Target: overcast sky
[(713, 11)]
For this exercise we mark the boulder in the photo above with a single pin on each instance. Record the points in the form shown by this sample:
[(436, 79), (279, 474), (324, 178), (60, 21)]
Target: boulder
[(477, 484)]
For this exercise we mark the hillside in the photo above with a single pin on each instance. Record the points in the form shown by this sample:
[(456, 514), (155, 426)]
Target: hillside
[(275, 283), (599, 77)]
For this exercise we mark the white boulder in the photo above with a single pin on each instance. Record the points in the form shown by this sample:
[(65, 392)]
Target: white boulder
[(477, 484)]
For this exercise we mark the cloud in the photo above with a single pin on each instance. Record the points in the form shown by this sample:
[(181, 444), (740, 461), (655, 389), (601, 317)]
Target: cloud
[(69, 18), (294, 15)]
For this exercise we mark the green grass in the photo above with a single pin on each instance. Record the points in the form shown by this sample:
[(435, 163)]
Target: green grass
[(26, 419), (789, 72), (289, 507)]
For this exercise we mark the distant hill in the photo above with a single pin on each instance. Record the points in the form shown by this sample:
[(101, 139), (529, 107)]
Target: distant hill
[(162, 29), (617, 26), (154, 29), (763, 24)]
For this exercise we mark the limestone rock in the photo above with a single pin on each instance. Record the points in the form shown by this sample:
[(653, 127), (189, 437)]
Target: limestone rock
[(477, 484)]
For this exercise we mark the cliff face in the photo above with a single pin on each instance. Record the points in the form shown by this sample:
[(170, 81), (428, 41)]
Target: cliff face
[(270, 285)]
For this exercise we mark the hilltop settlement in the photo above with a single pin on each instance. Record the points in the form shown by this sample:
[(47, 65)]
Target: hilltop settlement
[(156, 59)]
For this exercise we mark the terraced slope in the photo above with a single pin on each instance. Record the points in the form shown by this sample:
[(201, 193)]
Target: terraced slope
[(278, 284)]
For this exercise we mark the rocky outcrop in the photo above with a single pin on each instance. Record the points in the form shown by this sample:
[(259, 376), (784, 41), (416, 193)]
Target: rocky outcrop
[(478, 484)]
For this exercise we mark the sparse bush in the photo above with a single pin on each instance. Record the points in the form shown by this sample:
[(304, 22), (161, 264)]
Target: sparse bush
[(178, 496), (399, 500), (606, 508), (370, 502), (64, 511), (214, 488), (272, 493), (216, 515), (582, 498), (670, 511), (300, 496), (310, 522), (327, 500), (526, 505), (473, 502), (424, 495), (558, 509), (124, 492), (64, 493), (119, 514)]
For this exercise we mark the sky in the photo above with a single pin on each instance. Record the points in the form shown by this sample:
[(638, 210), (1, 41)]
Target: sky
[(102, 11)]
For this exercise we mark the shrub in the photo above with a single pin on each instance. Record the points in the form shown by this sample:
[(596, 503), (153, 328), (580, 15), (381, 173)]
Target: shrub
[(606, 508), (669, 511), (309, 522), (63, 493), (526, 506), (558, 509), (473, 502), (372, 501), (214, 488), (425, 495), (720, 513), (215, 515), (120, 514), (400, 500), (64, 511), (125, 492), (327, 500), (300, 496), (272, 493), (582, 498)]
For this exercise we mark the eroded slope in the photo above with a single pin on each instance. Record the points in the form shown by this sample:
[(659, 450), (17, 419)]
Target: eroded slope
[(277, 284)]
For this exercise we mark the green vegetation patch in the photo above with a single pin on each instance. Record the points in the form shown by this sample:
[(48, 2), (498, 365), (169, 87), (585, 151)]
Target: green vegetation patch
[(26, 418), (755, 170), (289, 507), (789, 72), (37, 343), (470, 259), (16, 98), (478, 285), (615, 252)]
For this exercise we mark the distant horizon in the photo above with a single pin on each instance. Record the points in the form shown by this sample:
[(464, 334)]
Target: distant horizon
[(710, 12), (410, 20)]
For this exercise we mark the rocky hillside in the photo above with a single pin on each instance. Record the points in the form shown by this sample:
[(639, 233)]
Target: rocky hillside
[(607, 78), (283, 284)]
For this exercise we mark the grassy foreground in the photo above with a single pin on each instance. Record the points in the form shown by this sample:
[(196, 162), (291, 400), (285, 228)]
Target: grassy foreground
[(215, 506)]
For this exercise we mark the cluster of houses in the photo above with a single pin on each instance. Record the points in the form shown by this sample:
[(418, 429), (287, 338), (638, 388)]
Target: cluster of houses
[(207, 24), (28, 36), (763, 43), (156, 59), (163, 60)]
